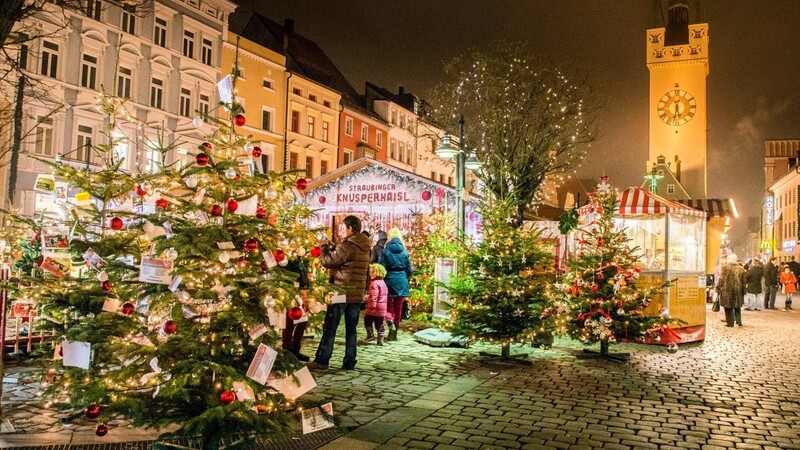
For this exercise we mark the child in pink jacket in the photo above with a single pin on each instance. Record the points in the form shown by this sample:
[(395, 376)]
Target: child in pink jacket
[(376, 305)]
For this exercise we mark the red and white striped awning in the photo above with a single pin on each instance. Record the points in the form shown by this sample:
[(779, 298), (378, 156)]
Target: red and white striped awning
[(714, 207), (635, 201)]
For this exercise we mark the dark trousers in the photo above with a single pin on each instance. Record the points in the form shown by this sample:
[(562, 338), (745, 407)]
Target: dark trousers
[(733, 314), (293, 335), (394, 310), (769, 296), (377, 321), (329, 327)]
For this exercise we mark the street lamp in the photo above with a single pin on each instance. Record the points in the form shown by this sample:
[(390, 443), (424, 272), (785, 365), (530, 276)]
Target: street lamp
[(447, 151)]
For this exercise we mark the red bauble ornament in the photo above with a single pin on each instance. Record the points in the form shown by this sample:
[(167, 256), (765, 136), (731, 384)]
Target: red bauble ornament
[(139, 191), (92, 411), (256, 152), (600, 275), (128, 308), (206, 146), (106, 285), (161, 203), (593, 287), (322, 199), (227, 397), (426, 195), (170, 327), (115, 223), (279, 255), (261, 213), (216, 210), (231, 205), (201, 159), (251, 245), (295, 313), (316, 251), (301, 184), (239, 120), (101, 429)]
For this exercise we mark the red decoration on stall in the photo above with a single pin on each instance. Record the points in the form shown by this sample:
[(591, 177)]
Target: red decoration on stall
[(426, 195), (322, 199), (439, 192)]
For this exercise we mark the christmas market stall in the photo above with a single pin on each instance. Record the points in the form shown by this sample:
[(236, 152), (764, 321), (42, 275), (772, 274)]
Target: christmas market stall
[(381, 195), (671, 240)]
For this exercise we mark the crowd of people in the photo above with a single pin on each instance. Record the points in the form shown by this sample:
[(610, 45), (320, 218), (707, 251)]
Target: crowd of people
[(754, 284)]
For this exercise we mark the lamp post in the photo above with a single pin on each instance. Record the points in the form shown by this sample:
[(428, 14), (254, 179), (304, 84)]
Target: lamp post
[(447, 151)]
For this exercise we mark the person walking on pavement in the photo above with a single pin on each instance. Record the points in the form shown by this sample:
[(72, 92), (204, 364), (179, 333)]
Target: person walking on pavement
[(771, 283), (376, 306), (789, 282), (398, 270), (349, 262), (794, 266), (752, 280), (377, 249), (730, 289)]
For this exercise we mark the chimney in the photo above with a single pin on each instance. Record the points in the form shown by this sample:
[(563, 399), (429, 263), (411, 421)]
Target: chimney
[(677, 168), (401, 90), (288, 28)]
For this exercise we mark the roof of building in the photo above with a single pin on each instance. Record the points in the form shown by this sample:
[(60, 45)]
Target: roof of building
[(407, 100)]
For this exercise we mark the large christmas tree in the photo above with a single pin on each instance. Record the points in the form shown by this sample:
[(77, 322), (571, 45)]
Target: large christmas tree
[(174, 317), (600, 299), (504, 290)]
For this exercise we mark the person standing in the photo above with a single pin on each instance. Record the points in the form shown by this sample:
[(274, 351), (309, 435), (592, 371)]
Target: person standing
[(398, 270), (752, 280), (349, 262), (376, 306), (771, 283), (377, 249), (730, 289), (794, 266), (293, 333), (789, 282)]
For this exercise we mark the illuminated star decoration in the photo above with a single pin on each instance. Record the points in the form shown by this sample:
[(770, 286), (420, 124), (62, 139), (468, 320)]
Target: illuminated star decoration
[(486, 257), (518, 312), (524, 259), (603, 185)]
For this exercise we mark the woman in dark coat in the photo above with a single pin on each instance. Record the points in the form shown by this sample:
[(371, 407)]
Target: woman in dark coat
[(731, 288), (395, 259)]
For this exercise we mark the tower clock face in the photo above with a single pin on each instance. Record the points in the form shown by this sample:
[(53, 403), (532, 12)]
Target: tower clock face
[(677, 107)]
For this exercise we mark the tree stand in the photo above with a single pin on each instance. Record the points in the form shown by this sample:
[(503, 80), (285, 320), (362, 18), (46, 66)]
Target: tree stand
[(506, 356), (604, 354)]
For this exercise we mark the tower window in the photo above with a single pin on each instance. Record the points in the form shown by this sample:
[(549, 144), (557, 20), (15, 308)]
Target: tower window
[(670, 189)]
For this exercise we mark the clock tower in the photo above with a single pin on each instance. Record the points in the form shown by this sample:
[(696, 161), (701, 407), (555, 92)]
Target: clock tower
[(677, 58)]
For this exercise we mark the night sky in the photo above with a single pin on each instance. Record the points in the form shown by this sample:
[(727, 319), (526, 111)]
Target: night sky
[(752, 86)]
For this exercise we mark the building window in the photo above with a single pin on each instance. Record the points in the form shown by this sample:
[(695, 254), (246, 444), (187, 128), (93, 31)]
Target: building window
[(402, 120), (93, 9), (325, 129), (156, 93), (394, 117), (238, 72), (379, 139), (124, 80), (49, 59), (205, 105), (292, 160), (401, 151), (89, 72), (23, 51), (268, 84), (309, 167), (450, 181), (297, 91), (392, 148), (266, 163), (186, 103), (160, 32), (129, 19), (83, 152), (310, 126), (670, 189), (312, 97), (188, 44), (348, 126), (348, 157), (433, 175), (326, 104), (296, 121), (323, 167), (364, 132), (266, 120), (441, 178), (44, 137), (207, 51)]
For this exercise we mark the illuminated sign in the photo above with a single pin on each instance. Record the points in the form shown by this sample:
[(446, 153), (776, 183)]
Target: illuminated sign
[(770, 210), (789, 245)]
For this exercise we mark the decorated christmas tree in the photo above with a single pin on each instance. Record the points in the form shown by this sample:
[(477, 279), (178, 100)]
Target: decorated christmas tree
[(504, 289), (169, 288), (600, 298)]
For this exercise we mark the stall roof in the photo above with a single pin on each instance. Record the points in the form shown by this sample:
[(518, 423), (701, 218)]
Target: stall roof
[(637, 201), (713, 207)]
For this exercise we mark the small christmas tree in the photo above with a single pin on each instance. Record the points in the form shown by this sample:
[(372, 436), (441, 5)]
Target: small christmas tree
[(600, 299), (504, 290)]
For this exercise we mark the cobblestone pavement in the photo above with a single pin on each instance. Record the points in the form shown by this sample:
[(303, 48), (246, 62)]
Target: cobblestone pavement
[(737, 390)]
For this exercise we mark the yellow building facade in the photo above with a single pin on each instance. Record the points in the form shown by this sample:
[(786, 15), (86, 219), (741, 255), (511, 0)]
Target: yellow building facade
[(312, 129), (261, 88)]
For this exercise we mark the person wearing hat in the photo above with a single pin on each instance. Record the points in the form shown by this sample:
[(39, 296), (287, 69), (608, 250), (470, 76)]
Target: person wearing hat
[(730, 288)]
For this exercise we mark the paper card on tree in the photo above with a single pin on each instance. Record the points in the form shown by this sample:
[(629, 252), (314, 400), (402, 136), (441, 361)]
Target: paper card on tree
[(141, 339), (315, 420), (111, 305), (155, 270), (202, 217), (261, 365), (120, 203), (199, 196), (294, 385), (45, 183), (269, 258), (338, 298), (302, 319), (56, 266), (247, 207), (173, 285), (76, 354), (243, 391), (226, 245), (168, 229), (156, 232), (55, 238), (93, 259), (225, 89), (256, 332), (273, 317)]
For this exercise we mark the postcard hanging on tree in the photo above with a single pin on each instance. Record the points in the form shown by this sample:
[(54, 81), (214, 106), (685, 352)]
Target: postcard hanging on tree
[(155, 270), (262, 363)]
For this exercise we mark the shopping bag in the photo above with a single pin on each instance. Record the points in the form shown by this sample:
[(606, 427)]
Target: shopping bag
[(715, 306)]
